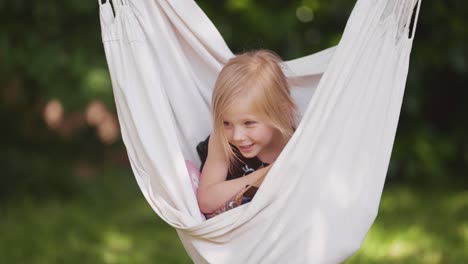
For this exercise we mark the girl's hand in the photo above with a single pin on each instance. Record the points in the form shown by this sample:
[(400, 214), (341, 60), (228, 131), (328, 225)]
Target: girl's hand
[(264, 172)]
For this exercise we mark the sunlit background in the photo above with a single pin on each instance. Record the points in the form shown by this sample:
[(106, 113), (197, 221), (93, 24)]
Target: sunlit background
[(67, 194)]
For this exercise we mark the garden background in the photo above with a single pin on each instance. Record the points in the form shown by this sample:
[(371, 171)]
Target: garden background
[(67, 194)]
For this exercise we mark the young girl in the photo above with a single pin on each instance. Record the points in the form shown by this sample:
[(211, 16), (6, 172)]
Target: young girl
[(254, 117)]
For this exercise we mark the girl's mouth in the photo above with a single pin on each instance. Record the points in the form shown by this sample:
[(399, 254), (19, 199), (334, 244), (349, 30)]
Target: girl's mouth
[(246, 148)]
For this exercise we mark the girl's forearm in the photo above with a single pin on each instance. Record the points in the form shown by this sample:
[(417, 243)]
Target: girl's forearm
[(214, 196)]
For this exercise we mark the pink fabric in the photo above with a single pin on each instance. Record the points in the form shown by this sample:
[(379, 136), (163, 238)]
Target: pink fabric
[(194, 174)]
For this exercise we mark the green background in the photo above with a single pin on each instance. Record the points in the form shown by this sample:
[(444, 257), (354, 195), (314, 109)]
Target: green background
[(67, 194)]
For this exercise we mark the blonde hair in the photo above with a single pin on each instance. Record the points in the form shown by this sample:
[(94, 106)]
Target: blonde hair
[(258, 76)]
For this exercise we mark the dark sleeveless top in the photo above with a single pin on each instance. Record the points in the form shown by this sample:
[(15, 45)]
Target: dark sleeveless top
[(247, 166)]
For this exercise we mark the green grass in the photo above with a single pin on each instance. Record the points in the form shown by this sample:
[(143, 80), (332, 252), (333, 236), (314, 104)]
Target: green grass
[(107, 220), (418, 226)]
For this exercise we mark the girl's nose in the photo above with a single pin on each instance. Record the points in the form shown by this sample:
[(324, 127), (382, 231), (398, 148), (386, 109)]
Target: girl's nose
[(238, 134)]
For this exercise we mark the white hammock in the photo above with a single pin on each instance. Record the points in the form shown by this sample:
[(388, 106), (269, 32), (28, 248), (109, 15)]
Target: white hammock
[(322, 194)]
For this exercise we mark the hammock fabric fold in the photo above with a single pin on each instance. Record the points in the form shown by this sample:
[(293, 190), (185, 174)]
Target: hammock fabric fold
[(322, 194)]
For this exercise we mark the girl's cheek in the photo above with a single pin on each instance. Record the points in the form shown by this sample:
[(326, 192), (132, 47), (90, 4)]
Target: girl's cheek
[(228, 134)]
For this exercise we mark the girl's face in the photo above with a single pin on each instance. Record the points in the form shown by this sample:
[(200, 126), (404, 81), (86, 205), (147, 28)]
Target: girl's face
[(251, 133)]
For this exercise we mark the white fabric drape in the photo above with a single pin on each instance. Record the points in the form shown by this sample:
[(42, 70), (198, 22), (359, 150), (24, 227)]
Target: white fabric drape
[(322, 195)]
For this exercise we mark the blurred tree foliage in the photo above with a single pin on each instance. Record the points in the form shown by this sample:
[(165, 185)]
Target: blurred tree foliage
[(48, 49), (52, 50)]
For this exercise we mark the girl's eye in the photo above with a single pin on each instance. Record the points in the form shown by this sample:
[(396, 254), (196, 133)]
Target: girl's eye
[(226, 123), (248, 123)]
